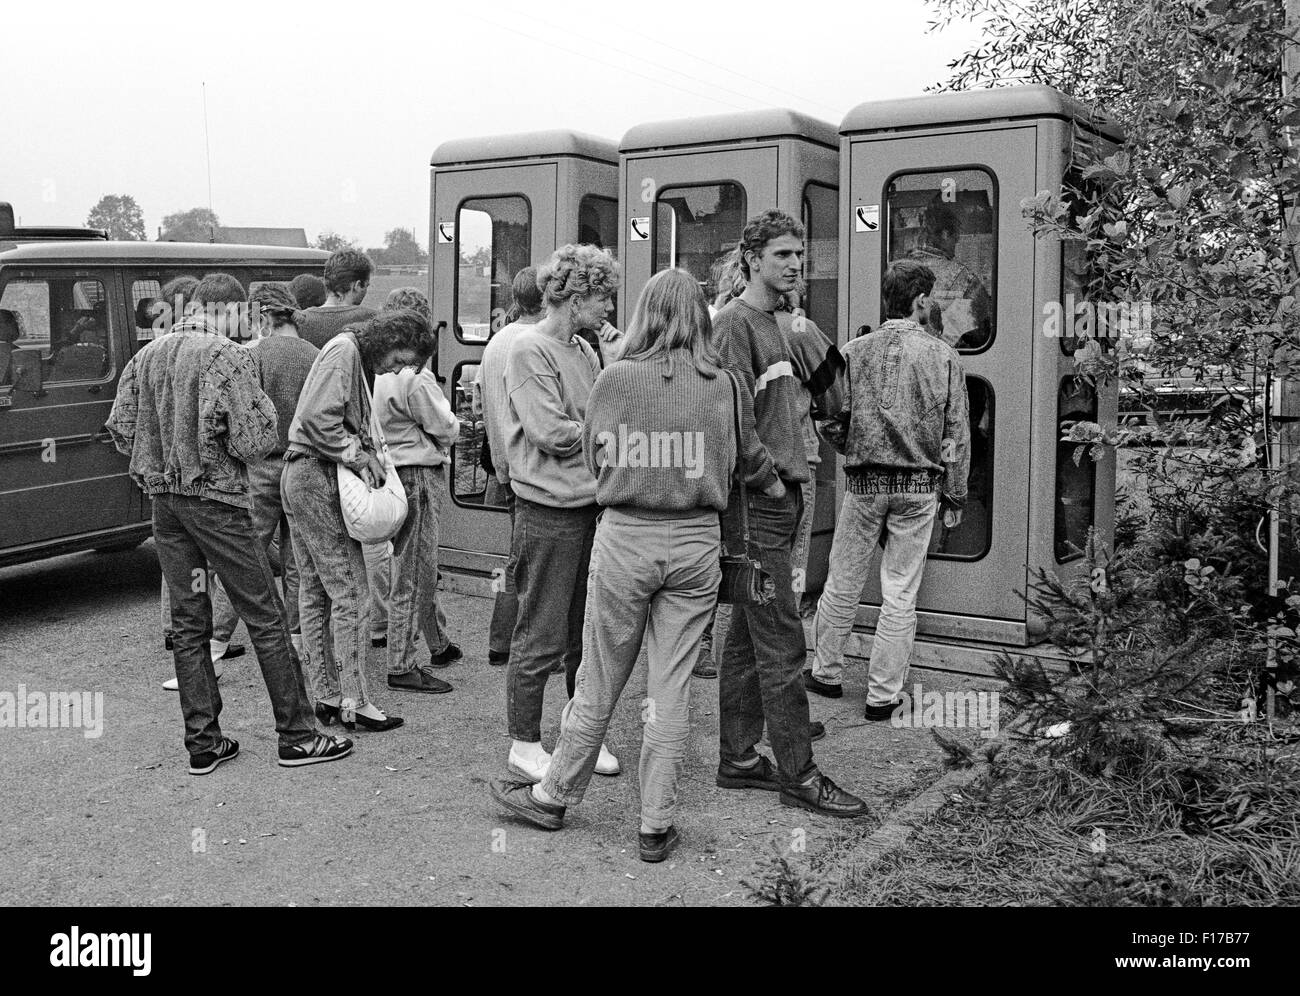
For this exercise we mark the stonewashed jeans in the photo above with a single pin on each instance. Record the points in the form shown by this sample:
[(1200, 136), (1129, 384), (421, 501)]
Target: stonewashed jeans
[(332, 587), (760, 675), (908, 520), (191, 536), (271, 524), (379, 578), (505, 609), (413, 599), (652, 578), (803, 540), (553, 555)]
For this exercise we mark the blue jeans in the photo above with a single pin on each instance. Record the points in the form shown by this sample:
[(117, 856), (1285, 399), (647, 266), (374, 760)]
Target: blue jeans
[(908, 520), (553, 555), (332, 586), (191, 536), (413, 599), (655, 578), (760, 676)]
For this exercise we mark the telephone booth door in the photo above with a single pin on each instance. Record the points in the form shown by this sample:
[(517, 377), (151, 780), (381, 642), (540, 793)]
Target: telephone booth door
[(953, 202), (499, 205)]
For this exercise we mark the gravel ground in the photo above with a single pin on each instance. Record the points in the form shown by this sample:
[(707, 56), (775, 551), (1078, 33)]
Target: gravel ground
[(117, 820)]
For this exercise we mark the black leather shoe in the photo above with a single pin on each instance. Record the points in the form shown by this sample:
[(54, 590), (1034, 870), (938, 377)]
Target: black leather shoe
[(822, 795), (517, 799), (657, 846), (760, 776), (498, 659), (879, 712), (418, 680), (373, 725), (233, 651), (444, 659), (816, 730), (823, 688)]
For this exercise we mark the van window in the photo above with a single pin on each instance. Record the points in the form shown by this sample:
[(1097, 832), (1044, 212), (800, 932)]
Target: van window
[(65, 324), (493, 242), (696, 227), (151, 316), (947, 219)]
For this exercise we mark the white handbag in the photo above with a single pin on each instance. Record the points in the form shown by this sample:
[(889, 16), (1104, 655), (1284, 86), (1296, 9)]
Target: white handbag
[(373, 515)]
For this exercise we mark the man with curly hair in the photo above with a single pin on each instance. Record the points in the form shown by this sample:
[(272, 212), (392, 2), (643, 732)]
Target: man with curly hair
[(549, 375)]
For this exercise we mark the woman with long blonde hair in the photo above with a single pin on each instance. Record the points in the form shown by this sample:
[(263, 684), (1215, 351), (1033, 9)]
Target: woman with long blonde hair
[(659, 438)]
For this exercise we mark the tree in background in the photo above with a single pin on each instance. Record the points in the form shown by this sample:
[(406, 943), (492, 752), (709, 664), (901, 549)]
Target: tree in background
[(1190, 215), (194, 225), (332, 241), (400, 249), (120, 216)]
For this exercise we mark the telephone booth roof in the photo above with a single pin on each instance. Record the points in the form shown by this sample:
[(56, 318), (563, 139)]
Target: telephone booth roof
[(530, 145), (973, 107), (751, 126)]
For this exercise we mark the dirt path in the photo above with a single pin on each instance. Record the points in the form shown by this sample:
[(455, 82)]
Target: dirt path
[(407, 820)]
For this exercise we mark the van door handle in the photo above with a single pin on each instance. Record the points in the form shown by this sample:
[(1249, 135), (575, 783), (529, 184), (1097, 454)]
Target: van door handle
[(94, 388)]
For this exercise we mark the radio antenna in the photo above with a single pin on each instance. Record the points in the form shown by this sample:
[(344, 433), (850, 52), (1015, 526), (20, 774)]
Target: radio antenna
[(207, 151)]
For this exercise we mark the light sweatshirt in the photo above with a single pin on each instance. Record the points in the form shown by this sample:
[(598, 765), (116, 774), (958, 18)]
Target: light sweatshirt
[(415, 417), (548, 383)]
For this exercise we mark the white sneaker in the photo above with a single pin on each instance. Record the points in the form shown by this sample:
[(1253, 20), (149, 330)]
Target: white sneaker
[(172, 686), (530, 770), (606, 763)]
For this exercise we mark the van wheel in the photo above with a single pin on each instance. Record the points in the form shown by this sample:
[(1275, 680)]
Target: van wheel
[(119, 547)]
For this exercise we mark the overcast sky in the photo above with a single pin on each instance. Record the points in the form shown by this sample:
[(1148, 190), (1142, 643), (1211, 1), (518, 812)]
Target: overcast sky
[(323, 116)]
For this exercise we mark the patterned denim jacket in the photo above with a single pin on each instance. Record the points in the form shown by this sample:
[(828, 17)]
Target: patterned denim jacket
[(190, 413), (904, 427)]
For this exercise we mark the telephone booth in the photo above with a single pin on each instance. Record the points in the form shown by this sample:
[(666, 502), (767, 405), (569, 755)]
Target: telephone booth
[(940, 179), (500, 204), (690, 185)]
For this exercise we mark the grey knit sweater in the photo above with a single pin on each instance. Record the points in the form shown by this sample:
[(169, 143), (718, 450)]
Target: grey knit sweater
[(661, 437)]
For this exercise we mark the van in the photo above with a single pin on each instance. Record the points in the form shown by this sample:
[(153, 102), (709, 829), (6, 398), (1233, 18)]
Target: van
[(72, 313)]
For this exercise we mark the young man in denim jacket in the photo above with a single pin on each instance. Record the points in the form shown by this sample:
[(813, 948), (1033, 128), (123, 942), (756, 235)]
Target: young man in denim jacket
[(905, 436)]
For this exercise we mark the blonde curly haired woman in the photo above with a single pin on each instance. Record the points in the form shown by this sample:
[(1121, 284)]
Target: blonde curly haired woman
[(549, 375)]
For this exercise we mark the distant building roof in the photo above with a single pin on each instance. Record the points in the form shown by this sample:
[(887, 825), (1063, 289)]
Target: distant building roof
[(295, 238)]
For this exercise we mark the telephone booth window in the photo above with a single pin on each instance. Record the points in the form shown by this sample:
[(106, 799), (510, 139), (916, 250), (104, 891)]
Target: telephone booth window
[(947, 219), (821, 222), (1076, 481), (972, 538), (471, 482), (598, 222), (493, 243), (696, 227)]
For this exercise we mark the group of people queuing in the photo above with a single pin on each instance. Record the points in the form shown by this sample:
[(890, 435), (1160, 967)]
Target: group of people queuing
[(610, 554), (240, 442), (629, 548)]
